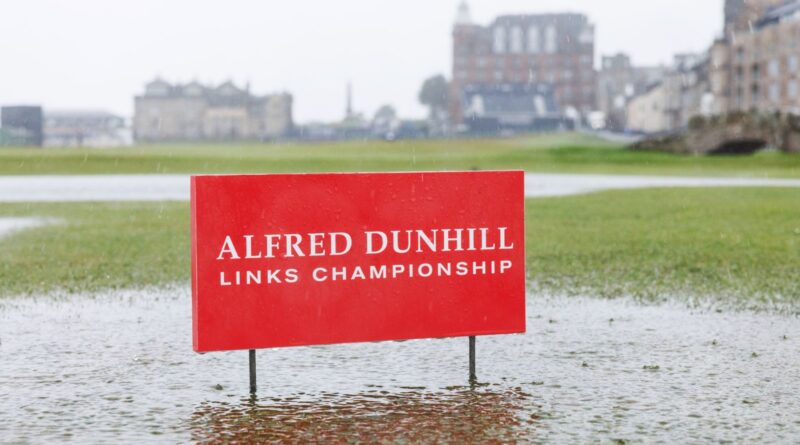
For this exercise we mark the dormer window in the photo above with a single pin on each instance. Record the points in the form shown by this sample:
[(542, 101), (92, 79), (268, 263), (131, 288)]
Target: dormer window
[(156, 88), (193, 89)]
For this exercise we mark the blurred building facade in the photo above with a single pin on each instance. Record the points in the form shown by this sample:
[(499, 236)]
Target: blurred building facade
[(754, 66), (555, 51), (618, 81), (515, 106), (683, 92), (196, 112), (21, 125), (85, 128), (757, 67), (742, 15)]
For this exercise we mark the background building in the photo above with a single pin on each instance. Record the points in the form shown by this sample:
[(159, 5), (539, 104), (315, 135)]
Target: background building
[(85, 128), (758, 68), (754, 67), (194, 112), (646, 113), (741, 15), (517, 106), (21, 125), (683, 92), (553, 50), (618, 81)]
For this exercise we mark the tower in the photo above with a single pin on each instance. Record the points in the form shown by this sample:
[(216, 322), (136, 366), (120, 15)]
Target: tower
[(462, 14), (349, 99)]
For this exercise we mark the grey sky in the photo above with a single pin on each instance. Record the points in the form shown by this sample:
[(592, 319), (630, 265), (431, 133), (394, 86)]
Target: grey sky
[(98, 54)]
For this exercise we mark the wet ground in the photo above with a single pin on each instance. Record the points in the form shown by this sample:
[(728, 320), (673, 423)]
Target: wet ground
[(176, 187), (9, 225), (119, 368)]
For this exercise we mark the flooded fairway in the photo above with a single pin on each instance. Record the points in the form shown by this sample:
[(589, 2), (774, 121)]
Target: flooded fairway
[(119, 368), (141, 187)]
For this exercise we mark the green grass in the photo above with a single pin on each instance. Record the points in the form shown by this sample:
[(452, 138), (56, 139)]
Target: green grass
[(722, 243), (726, 243), (564, 152), (95, 247)]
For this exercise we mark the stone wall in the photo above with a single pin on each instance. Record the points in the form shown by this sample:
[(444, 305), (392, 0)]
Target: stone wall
[(733, 133)]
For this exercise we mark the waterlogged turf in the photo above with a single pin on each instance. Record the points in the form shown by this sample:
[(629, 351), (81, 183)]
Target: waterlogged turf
[(118, 367), (560, 152), (739, 245)]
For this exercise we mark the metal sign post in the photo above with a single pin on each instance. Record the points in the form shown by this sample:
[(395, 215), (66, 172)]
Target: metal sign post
[(472, 377), (252, 371)]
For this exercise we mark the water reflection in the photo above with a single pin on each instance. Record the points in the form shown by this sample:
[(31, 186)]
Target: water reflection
[(118, 368), (454, 415)]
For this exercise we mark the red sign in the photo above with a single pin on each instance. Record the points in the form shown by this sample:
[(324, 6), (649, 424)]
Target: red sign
[(290, 260)]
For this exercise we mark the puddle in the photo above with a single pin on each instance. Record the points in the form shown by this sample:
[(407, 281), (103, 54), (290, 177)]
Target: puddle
[(119, 368), (176, 187), (9, 225)]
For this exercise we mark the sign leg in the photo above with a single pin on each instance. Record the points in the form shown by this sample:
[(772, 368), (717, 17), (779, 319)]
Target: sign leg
[(472, 377), (252, 371)]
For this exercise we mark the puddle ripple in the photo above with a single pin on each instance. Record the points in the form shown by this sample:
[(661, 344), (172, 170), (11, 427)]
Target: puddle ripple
[(119, 368)]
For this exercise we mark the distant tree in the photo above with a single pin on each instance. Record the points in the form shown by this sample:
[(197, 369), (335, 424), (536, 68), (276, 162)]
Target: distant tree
[(385, 113), (433, 93), (384, 122)]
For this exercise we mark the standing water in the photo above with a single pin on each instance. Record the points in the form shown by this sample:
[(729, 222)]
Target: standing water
[(119, 368)]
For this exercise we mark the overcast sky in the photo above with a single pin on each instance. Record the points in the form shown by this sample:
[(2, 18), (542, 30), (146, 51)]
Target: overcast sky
[(98, 54)]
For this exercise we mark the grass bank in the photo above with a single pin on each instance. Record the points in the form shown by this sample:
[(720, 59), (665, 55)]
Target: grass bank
[(562, 152), (739, 244)]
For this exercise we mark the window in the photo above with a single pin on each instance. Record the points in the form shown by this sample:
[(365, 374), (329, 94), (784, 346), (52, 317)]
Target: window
[(516, 40), (773, 68), (774, 92), (499, 45), (533, 39), (793, 65), (550, 39), (739, 55), (791, 89)]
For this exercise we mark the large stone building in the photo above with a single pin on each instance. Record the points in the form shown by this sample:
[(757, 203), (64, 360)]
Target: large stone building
[(757, 68), (552, 50), (195, 112)]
